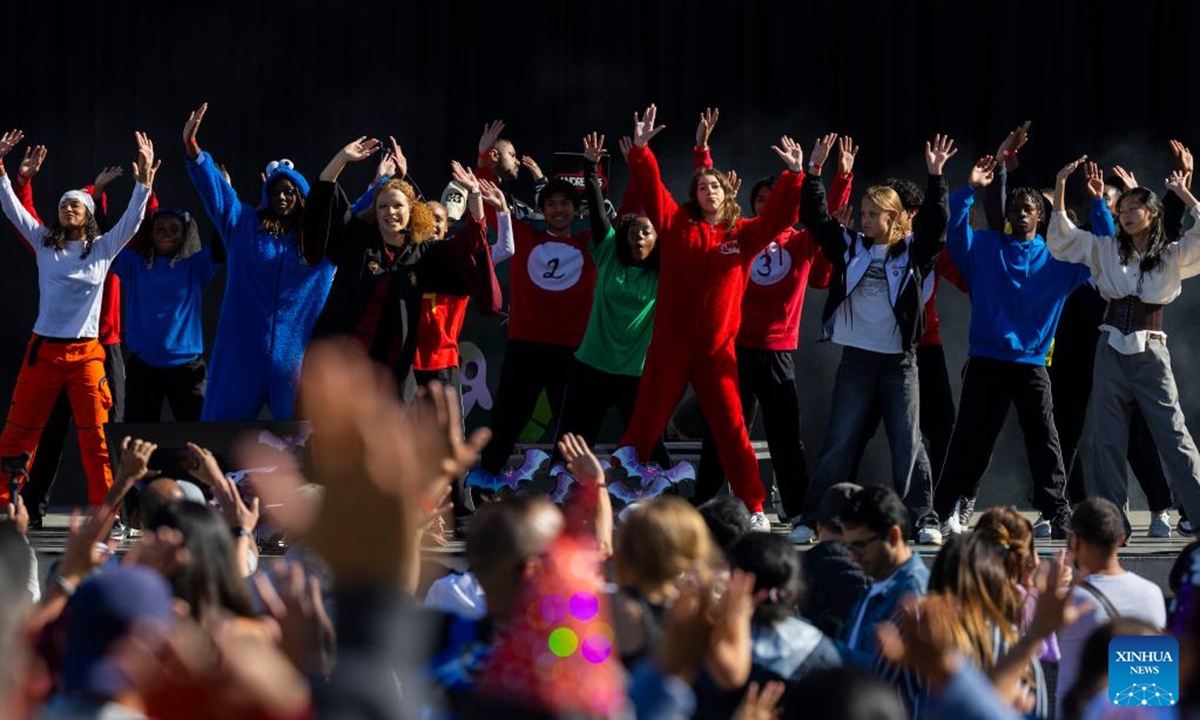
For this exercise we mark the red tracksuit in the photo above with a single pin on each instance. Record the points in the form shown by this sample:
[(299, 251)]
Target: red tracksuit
[(703, 277)]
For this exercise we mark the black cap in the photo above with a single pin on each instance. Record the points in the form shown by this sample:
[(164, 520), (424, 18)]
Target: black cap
[(834, 502)]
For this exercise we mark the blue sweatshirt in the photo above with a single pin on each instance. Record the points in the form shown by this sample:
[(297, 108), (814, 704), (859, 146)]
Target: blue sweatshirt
[(163, 304), (1017, 287)]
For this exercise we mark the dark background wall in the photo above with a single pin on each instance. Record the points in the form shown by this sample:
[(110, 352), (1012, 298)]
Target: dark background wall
[(297, 79)]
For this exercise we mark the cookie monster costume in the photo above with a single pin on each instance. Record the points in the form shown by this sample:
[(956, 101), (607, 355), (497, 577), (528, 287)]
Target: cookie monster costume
[(272, 300)]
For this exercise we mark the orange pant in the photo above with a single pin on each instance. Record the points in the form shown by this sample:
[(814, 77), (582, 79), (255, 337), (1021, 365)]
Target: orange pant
[(49, 368)]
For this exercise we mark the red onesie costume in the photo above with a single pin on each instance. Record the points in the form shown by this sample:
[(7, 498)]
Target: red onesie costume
[(703, 276)]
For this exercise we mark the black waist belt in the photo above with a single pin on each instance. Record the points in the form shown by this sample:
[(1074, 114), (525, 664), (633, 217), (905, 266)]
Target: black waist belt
[(39, 339), (1129, 315)]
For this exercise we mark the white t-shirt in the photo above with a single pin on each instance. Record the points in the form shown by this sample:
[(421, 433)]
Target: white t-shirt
[(1132, 595), (70, 285), (865, 319)]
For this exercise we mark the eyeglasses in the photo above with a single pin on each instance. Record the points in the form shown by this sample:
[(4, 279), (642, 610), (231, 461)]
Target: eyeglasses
[(860, 545)]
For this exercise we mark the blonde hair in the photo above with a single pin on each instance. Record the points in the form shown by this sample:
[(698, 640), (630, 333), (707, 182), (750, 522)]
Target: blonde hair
[(420, 217), (887, 200), (659, 541)]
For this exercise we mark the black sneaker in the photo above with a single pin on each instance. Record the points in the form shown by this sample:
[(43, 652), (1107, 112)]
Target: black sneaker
[(119, 529), (36, 522), (1060, 527)]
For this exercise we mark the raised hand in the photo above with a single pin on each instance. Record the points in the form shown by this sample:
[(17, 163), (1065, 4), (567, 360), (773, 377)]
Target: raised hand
[(491, 133), (104, 178), (982, 172), (1006, 154), (938, 152), (847, 151), (31, 164), (1183, 159), (1178, 184), (360, 149), (922, 637), (761, 706), (398, 158), (593, 147), (1054, 609), (146, 166), (1128, 179), (492, 195), (378, 461), (86, 548), (18, 514), (791, 154), (729, 655), (580, 459), (134, 465), (708, 121), (735, 182), (1095, 181), (10, 140), (534, 169), (464, 177), (624, 144), (821, 148), (386, 167), (1069, 169), (644, 128), (190, 130), (292, 598), (845, 216)]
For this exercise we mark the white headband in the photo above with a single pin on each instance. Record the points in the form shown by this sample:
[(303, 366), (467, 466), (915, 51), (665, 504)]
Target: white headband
[(82, 197)]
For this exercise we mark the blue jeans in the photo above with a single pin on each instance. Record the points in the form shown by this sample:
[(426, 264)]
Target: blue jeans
[(865, 378)]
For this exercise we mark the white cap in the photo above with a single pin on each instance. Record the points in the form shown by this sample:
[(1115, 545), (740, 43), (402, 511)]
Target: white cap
[(454, 198), (82, 197)]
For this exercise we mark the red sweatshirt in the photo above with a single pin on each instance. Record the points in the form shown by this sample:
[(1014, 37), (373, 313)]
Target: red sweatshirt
[(944, 269), (705, 268), (110, 302), (551, 282), (774, 296)]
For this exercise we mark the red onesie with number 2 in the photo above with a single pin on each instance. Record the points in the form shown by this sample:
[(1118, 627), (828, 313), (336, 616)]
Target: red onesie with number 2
[(704, 273)]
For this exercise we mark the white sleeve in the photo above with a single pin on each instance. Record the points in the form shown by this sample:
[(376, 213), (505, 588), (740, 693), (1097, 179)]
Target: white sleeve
[(1070, 244), (1187, 248), (504, 247), (29, 228), (111, 242)]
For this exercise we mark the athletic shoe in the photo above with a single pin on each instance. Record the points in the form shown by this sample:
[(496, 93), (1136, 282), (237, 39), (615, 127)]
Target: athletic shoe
[(929, 534), (1160, 525), (1185, 527), (1060, 527), (119, 529), (802, 534), (760, 523), (952, 526), (1041, 527), (965, 511)]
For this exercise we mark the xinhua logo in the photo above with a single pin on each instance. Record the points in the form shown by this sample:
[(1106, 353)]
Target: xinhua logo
[(1143, 670)]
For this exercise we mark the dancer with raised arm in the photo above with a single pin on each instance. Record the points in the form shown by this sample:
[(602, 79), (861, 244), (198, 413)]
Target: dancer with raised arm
[(1138, 272), (73, 258), (707, 251)]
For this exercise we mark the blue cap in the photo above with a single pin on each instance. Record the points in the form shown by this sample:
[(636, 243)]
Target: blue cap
[(285, 169), (103, 610)]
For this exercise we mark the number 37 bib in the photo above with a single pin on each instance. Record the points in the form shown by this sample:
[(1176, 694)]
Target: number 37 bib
[(555, 266)]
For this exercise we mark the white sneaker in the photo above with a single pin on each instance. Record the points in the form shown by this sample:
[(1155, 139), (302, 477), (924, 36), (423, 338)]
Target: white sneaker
[(760, 523), (929, 535), (1041, 527), (953, 525), (1160, 525), (802, 535)]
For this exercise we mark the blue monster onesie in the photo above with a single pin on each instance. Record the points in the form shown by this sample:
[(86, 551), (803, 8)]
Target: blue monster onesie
[(272, 300)]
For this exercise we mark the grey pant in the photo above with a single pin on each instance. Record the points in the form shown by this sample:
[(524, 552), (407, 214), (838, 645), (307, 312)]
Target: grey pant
[(1145, 379), (865, 379)]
